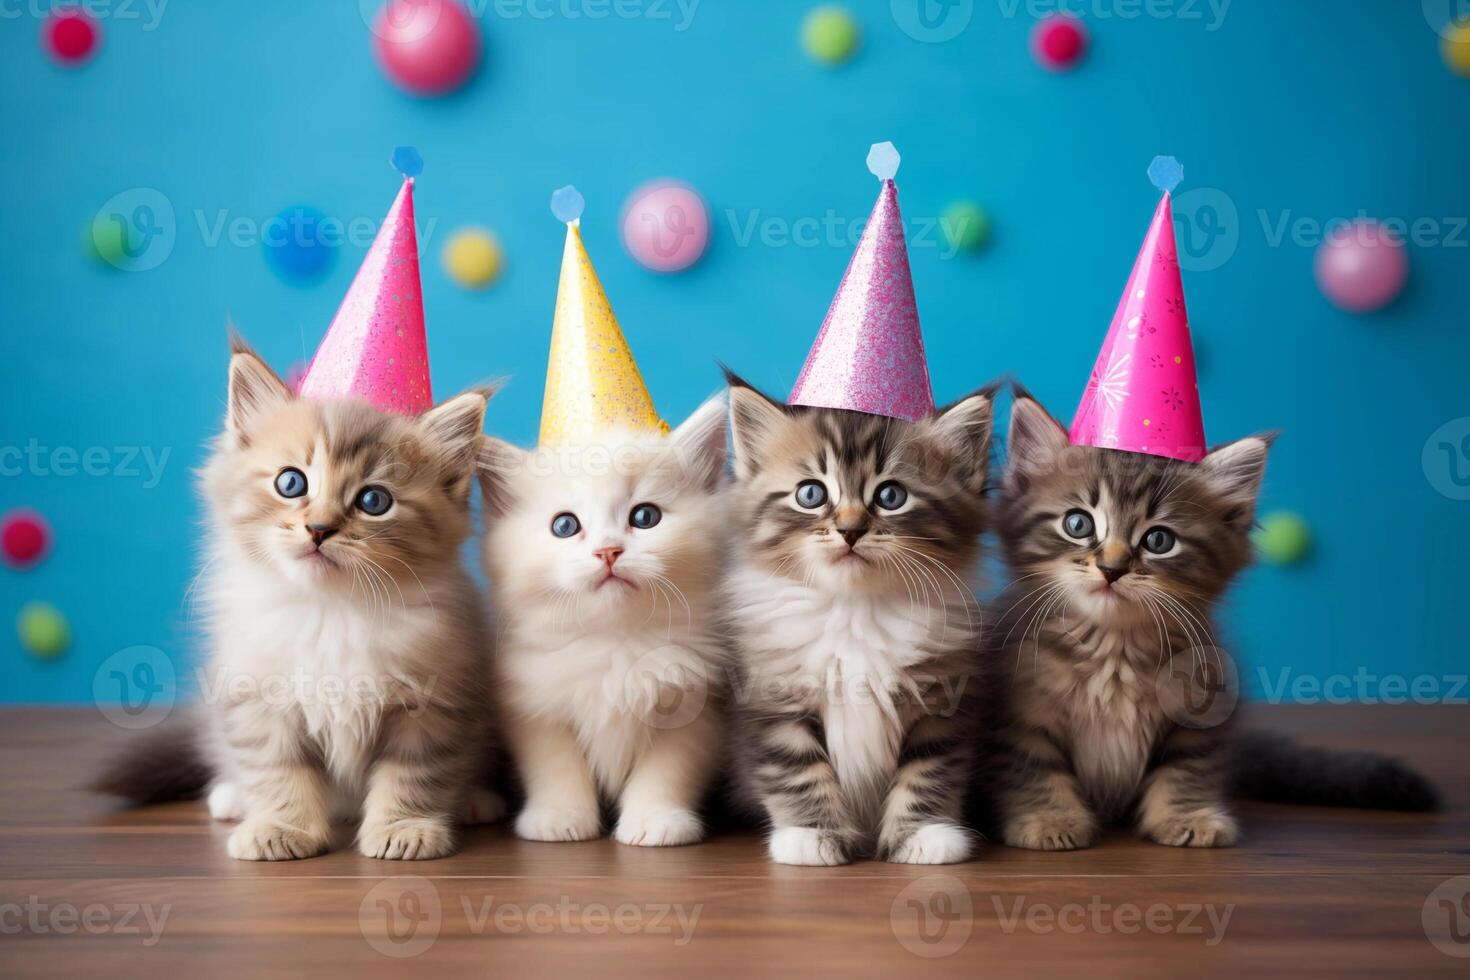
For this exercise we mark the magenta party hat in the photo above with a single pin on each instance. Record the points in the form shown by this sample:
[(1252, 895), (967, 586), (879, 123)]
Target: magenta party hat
[(1142, 396), (869, 354), (375, 348)]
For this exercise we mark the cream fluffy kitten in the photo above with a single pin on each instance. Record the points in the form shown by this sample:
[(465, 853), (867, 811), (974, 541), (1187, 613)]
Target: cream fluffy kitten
[(604, 562)]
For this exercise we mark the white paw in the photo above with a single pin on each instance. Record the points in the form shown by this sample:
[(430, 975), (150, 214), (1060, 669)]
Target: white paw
[(552, 823), (659, 828), (259, 840), (481, 806), (1213, 828), (807, 846), (1055, 830), (935, 843), (226, 802), (407, 839)]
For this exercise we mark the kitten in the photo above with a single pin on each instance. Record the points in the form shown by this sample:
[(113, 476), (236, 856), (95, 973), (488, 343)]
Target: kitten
[(604, 562), (856, 625), (348, 669), (1120, 559)]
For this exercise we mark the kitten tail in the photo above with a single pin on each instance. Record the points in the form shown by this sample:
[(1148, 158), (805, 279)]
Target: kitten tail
[(1275, 769), (165, 763)]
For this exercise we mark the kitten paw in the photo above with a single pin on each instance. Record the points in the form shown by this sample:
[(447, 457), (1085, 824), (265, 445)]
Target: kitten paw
[(807, 846), (549, 823), (226, 802), (659, 828), (1062, 830), (481, 806), (934, 843), (1212, 828), (407, 839), (259, 840)]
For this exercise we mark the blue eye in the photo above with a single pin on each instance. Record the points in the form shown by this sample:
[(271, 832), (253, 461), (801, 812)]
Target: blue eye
[(374, 501), (645, 516), (1159, 540), (290, 482), (565, 525), (811, 494), (1078, 523), (891, 496)]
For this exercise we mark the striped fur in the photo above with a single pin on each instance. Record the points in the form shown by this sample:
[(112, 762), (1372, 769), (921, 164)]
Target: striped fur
[(855, 657)]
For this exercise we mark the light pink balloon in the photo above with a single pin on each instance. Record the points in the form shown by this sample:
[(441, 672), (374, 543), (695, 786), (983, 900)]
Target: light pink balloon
[(1362, 267), (665, 226), (427, 47)]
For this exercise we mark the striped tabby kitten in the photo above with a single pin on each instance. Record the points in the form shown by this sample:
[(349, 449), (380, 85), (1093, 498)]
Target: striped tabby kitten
[(856, 625), (348, 670), (1119, 560)]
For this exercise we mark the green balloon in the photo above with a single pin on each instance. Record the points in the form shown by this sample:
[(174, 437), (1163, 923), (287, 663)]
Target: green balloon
[(104, 239), (829, 35), (966, 226), (1282, 538), (43, 630)]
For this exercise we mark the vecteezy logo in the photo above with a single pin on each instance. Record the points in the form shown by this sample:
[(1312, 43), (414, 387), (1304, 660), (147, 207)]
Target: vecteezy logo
[(1444, 14), (400, 917), (932, 21), (1207, 227), (933, 916), (135, 230), (1199, 687), (676, 222), (404, 22), (662, 691), (1446, 917), (1446, 459), (134, 688)]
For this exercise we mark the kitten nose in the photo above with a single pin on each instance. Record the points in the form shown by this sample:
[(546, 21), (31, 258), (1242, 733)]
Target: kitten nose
[(852, 534), (320, 532), (1112, 572), (608, 555)]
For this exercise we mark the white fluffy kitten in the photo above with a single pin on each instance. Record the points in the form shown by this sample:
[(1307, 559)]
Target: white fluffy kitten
[(604, 562)]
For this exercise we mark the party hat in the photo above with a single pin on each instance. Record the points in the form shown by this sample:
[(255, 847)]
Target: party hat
[(869, 354), (375, 348), (1142, 396), (592, 381)]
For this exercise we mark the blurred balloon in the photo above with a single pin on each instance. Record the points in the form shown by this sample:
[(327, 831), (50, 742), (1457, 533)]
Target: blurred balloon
[(25, 537), (1058, 42), (1455, 47), (426, 47), (42, 629), (665, 226), (70, 36), (473, 258), (295, 246), (829, 35), (1362, 267)]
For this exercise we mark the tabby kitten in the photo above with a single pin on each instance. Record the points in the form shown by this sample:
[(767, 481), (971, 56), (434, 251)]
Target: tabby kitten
[(348, 670), (604, 562), (856, 625)]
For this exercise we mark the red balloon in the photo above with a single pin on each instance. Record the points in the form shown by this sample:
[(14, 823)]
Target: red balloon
[(427, 47), (1059, 42), (24, 538), (70, 36)]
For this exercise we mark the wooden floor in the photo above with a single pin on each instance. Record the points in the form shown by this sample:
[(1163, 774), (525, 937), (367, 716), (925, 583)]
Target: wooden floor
[(88, 891)]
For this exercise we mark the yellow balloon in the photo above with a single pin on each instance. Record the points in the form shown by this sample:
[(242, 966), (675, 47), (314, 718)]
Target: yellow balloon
[(472, 258), (1456, 47)]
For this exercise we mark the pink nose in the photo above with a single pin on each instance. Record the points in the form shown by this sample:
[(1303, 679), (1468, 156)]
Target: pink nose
[(608, 555)]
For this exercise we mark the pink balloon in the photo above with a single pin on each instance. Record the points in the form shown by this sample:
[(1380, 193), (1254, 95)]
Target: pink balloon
[(1362, 267), (427, 47), (665, 226)]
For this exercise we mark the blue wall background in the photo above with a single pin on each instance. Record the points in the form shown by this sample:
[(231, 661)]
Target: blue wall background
[(1293, 110)]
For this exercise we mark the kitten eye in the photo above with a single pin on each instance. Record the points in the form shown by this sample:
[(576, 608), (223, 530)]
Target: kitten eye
[(1078, 523), (565, 525), (811, 494), (891, 496), (1159, 540), (374, 501), (290, 482), (645, 516)]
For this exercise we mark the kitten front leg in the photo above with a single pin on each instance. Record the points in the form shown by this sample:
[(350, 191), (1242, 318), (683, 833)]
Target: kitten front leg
[(561, 797), (285, 812), (1041, 804), (800, 792), (1184, 796), (659, 803), (922, 813), (416, 787)]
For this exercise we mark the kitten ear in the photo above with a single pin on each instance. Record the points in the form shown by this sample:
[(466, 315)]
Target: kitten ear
[(700, 443), (1235, 471), (495, 461), (754, 420), (963, 429), (455, 425), (1035, 438), (255, 391)]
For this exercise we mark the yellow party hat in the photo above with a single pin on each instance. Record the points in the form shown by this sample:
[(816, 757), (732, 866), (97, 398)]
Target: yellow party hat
[(592, 382)]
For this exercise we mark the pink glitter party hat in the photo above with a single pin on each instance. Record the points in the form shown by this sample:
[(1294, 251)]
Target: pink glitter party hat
[(869, 354), (375, 348), (1142, 396)]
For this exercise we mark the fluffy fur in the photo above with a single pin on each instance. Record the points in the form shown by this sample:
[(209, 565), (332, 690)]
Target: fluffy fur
[(856, 626), (610, 663), (1095, 620), (348, 667)]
